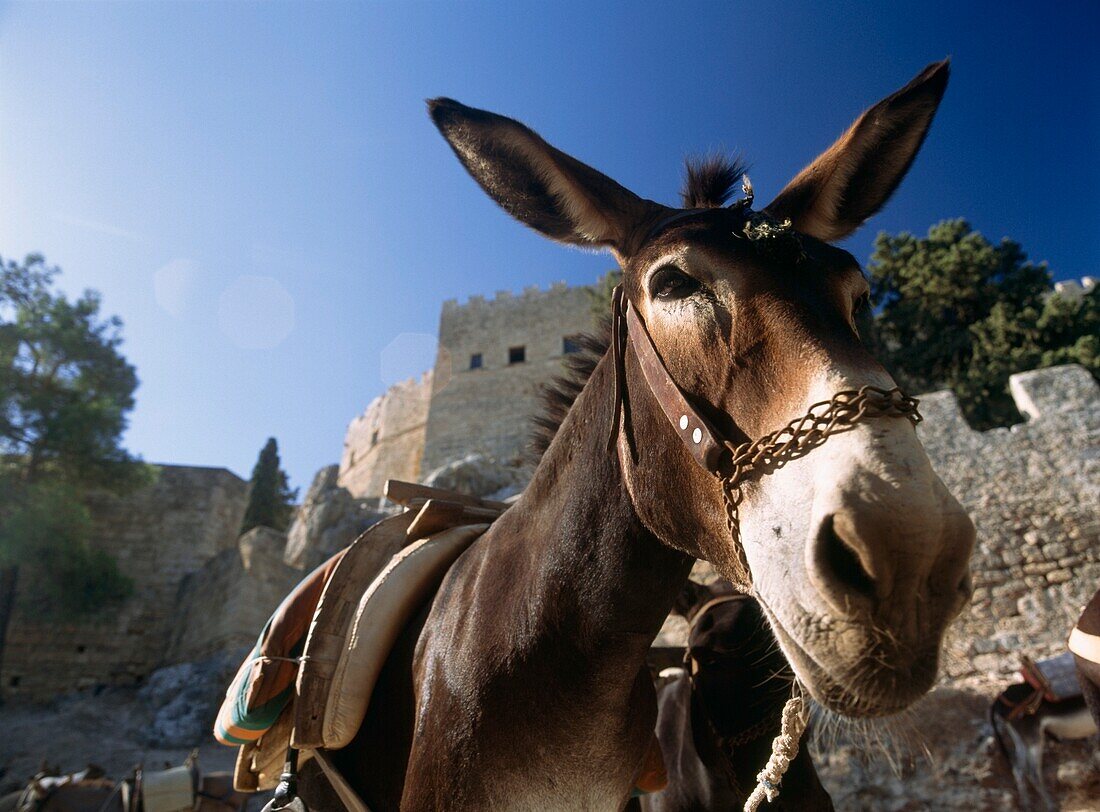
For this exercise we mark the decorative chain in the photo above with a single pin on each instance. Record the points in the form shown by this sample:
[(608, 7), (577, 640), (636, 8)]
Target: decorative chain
[(797, 438)]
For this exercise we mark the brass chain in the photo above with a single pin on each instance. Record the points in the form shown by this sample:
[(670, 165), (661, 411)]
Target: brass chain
[(774, 450)]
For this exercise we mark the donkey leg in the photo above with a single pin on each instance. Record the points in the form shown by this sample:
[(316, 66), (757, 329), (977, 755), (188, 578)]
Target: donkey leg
[(1088, 674), (1020, 759), (1040, 785)]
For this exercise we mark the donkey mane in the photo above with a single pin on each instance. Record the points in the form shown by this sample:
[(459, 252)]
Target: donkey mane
[(709, 182), (558, 395)]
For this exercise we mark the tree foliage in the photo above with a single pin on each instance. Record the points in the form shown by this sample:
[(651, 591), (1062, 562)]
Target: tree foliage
[(65, 389), (65, 393), (954, 310), (46, 534), (270, 498)]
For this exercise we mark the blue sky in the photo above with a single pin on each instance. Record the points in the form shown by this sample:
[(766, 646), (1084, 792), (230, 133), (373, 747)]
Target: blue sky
[(257, 191)]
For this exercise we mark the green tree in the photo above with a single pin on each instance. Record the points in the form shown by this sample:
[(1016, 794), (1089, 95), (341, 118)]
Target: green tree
[(1064, 330), (954, 310), (65, 393), (270, 499)]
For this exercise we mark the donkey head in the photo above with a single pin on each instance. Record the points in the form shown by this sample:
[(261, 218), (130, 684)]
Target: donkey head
[(857, 551)]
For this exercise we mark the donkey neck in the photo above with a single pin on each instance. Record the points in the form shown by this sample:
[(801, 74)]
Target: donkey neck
[(599, 560), (533, 656)]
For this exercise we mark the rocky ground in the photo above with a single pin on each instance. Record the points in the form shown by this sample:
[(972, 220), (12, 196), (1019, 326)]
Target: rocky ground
[(113, 730), (939, 756)]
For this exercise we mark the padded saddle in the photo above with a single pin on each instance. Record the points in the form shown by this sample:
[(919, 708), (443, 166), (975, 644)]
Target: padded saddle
[(308, 681), (1055, 677)]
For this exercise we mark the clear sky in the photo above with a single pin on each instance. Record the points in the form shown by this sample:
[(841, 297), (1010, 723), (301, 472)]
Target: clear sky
[(257, 191)]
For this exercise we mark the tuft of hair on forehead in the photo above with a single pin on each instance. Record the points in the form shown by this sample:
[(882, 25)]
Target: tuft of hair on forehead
[(710, 182)]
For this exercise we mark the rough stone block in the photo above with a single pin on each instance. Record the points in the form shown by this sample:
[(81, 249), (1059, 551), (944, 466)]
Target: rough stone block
[(1054, 389)]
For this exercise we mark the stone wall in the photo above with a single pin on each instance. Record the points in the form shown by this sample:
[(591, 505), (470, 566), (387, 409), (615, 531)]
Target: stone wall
[(1033, 491), (387, 440), (328, 520), (158, 535), (486, 409), (245, 583)]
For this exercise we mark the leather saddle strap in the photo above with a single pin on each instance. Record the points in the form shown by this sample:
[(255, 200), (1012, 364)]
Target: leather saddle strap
[(701, 439), (618, 342), (348, 796)]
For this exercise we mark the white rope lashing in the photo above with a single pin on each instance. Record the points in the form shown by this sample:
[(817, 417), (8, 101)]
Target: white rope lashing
[(784, 749)]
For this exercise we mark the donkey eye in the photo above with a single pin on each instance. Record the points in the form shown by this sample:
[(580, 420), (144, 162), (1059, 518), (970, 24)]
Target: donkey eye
[(670, 282)]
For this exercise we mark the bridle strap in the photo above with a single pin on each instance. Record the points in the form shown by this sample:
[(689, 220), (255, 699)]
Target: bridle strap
[(618, 352), (699, 436)]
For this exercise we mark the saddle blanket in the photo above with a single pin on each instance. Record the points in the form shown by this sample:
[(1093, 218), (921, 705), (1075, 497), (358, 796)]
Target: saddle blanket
[(311, 673), (264, 683), (1084, 640)]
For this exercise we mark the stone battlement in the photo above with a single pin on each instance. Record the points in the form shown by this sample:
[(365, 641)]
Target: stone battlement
[(1032, 491), (387, 440), (1074, 289), (493, 358), (410, 387), (494, 354), (529, 293)]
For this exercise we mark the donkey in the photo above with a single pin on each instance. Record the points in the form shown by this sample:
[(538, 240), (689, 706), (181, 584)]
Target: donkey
[(1084, 642), (523, 683), (1065, 720), (1025, 715), (716, 723)]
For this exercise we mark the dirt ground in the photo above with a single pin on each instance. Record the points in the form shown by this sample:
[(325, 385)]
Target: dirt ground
[(106, 730), (938, 756), (941, 755)]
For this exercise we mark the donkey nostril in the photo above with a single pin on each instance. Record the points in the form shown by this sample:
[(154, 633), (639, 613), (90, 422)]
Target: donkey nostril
[(840, 564)]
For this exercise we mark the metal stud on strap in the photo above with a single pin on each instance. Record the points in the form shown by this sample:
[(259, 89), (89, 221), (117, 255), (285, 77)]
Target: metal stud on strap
[(698, 435)]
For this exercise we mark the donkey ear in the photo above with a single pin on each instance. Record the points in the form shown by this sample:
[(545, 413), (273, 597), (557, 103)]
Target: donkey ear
[(851, 180), (537, 184), (690, 599)]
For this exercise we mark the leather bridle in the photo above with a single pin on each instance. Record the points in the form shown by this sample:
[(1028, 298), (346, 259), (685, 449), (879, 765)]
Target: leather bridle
[(730, 463)]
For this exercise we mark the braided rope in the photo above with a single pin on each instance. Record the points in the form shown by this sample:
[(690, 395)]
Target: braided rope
[(784, 750)]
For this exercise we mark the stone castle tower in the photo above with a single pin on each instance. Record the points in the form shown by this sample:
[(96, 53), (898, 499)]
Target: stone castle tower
[(493, 356), (387, 440)]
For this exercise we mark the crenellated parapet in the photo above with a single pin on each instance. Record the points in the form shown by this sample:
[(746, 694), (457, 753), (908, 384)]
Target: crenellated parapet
[(494, 354), (1074, 288), (1033, 491), (529, 294), (387, 440)]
